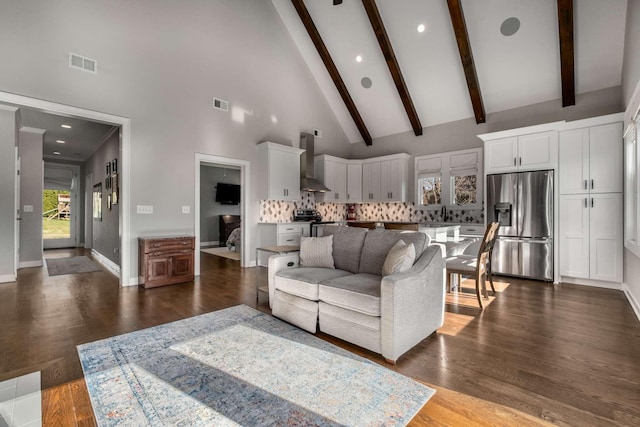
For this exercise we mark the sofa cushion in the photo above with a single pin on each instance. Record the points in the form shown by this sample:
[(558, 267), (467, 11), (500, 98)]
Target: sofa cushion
[(297, 311), (358, 292), (378, 243), (400, 258), (347, 246), (303, 281), (316, 252), (350, 326)]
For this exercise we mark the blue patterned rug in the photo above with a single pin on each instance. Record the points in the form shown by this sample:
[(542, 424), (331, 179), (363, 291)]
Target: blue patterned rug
[(239, 366)]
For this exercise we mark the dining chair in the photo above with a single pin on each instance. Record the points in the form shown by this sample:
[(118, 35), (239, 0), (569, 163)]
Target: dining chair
[(363, 224), (477, 266), (401, 226)]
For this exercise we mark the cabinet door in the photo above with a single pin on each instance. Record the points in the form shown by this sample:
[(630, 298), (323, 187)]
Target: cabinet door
[(291, 176), (574, 235), (277, 175), (574, 161), (326, 173), (501, 155), (340, 182), (158, 268), (371, 182), (354, 183), (391, 181), (182, 266), (605, 145), (538, 151), (606, 243)]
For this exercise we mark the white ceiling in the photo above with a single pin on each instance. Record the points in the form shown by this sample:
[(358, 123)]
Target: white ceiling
[(512, 71)]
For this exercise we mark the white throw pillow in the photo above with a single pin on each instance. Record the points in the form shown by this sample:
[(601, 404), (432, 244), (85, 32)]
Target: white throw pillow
[(400, 258), (316, 252)]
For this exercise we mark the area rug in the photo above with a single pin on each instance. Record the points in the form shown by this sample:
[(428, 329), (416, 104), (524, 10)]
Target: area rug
[(223, 252), (239, 366), (72, 265)]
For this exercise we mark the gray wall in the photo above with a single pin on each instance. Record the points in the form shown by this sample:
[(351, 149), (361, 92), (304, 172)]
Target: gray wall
[(31, 182), (8, 142), (210, 210), (160, 64), (106, 236)]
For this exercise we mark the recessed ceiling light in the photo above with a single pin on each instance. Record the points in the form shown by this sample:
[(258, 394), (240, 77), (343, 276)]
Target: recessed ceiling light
[(57, 153), (421, 28), (510, 26), (59, 141), (359, 58), (366, 82), (66, 126)]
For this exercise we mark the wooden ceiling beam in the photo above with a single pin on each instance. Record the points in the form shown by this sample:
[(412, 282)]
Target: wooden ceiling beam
[(565, 30), (466, 56), (394, 68), (303, 13)]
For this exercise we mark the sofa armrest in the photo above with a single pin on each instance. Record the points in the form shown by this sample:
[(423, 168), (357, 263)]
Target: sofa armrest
[(412, 304), (277, 263)]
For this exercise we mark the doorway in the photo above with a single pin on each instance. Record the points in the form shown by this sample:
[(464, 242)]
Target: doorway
[(60, 206)]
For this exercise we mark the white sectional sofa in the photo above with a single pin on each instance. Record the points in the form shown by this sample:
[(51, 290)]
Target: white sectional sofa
[(354, 302)]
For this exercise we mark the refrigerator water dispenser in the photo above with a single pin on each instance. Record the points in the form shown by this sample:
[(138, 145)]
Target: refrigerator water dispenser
[(503, 214)]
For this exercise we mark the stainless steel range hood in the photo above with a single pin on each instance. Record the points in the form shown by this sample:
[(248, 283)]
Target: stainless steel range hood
[(308, 181)]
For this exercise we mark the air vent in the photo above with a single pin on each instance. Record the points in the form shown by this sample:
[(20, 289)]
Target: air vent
[(220, 104), (317, 133), (82, 63)]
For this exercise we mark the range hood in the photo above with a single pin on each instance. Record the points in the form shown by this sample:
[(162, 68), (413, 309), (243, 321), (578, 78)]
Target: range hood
[(308, 181)]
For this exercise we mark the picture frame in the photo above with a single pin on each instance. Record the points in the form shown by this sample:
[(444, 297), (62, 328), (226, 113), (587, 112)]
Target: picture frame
[(108, 168), (107, 183), (97, 201), (115, 189), (109, 201), (114, 166)]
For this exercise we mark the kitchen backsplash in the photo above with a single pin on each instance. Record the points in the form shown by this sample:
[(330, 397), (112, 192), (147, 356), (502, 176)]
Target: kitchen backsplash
[(281, 211)]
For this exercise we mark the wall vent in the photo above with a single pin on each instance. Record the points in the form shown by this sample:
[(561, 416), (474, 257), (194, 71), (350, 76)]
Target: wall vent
[(83, 63), (220, 104), (317, 133)]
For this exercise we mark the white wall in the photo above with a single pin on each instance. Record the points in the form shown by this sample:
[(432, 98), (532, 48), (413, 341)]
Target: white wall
[(31, 182), (210, 210), (160, 64), (8, 142)]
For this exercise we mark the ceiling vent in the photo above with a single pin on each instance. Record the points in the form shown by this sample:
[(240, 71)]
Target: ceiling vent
[(220, 104), (83, 63)]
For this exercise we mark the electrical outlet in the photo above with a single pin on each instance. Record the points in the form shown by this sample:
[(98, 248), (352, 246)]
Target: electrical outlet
[(186, 209), (144, 209), (27, 208)]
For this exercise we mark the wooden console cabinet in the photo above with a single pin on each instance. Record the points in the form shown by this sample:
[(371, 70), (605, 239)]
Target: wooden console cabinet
[(165, 260)]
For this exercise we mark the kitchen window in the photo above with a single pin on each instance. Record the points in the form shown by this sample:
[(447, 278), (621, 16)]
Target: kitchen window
[(449, 179)]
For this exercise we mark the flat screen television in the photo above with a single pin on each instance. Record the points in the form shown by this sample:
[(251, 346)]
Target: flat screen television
[(227, 194)]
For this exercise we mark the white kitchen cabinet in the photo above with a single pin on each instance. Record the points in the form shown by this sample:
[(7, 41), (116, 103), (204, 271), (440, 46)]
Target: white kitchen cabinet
[(280, 234), (536, 151), (279, 171), (385, 179), (371, 182), (354, 181), (591, 160), (591, 236), (332, 172)]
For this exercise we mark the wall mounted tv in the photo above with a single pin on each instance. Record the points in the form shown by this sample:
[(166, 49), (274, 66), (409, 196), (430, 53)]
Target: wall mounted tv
[(227, 194)]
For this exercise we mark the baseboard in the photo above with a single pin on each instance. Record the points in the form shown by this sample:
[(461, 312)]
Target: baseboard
[(6, 278), (589, 282), (80, 245), (29, 264), (133, 281), (635, 304), (111, 266), (209, 244)]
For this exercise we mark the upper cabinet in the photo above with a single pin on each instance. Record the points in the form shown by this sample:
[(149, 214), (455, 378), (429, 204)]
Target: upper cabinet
[(385, 179), (279, 171), (332, 172), (535, 151), (354, 181)]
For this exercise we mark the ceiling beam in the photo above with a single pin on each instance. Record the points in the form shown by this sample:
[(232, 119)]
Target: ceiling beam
[(565, 27), (466, 56), (392, 63), (303, 13)]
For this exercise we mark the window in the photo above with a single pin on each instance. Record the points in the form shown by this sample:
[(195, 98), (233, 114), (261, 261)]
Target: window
[(450, 179), (632, 189)]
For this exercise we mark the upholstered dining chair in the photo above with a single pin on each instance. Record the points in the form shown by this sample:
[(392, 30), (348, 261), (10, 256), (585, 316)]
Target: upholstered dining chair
[(401, 226), (363, 224), (477, 266)]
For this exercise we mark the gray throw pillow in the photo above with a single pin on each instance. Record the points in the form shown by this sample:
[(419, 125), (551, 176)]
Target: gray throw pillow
[(316, 252), (400, 258)]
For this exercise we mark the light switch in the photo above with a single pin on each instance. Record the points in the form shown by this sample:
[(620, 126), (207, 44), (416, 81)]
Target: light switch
[(27, 208), (186, 209), (144, 209)]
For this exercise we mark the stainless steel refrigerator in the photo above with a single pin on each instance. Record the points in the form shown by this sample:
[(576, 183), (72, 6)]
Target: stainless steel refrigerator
[(522, 203)]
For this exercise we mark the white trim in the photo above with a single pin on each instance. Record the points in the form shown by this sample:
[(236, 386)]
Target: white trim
[(401, 156), (8, 108), (245, 193), (635, 304), (125, 164), (32, 130), (110, 265), (593, 121), (29, 264), (6, 278), (593, 283), (209, 244), (521, 131)]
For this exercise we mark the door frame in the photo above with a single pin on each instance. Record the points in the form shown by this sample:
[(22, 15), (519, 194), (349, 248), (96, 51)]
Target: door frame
[(124, 228), (88, 211), (245, 179)]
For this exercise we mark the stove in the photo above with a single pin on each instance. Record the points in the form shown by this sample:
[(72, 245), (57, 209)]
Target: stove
[(307, 215)]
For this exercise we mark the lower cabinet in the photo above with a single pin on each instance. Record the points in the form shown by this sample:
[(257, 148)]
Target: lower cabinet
[(281, 234), (591, 236), (165, 260)]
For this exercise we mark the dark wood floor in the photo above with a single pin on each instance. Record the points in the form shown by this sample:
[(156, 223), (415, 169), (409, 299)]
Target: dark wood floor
[(569, 355)]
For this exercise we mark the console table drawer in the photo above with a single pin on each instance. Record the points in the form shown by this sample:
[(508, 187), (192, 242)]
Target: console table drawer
[(289, 239)]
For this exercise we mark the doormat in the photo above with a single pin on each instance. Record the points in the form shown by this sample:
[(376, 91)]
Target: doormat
[(239, 366), (72, 265)]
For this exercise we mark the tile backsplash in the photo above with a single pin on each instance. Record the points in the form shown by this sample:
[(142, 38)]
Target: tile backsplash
[(283, 211)]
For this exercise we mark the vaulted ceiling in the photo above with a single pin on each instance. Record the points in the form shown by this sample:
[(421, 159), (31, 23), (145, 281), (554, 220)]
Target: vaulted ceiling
[(429, 86)]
